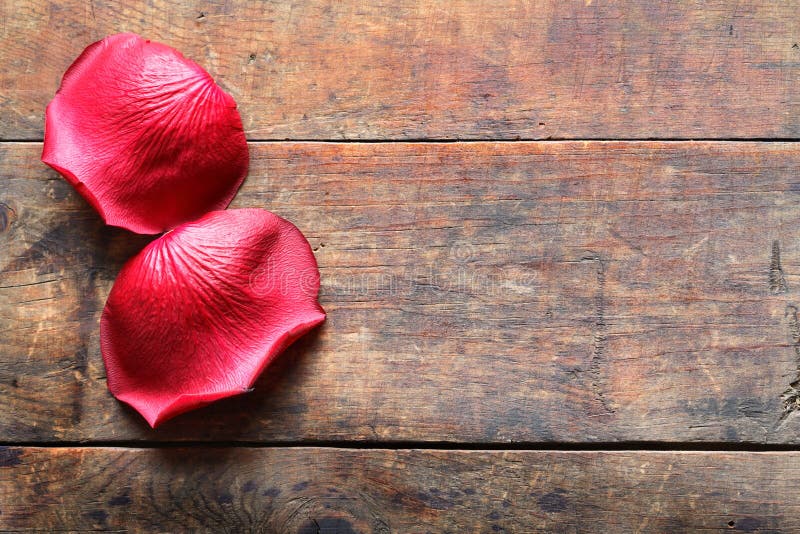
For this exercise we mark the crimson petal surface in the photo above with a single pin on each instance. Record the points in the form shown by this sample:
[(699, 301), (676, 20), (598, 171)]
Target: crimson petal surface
[(201, 311), (145, 135)]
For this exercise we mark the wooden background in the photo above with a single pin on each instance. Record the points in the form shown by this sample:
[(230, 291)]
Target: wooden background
[(559, 252)]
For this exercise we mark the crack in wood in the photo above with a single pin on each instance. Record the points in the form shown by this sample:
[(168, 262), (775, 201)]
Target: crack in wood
[(600, 334), (7, 216), (777, 280)]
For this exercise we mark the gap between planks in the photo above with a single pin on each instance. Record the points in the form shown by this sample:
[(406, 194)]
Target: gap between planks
[(632, 446)]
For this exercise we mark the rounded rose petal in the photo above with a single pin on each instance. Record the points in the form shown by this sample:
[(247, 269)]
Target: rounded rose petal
[(201, 311), (145, 135)]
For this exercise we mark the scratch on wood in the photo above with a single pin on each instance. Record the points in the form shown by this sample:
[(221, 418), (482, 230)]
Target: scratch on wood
[(791, 397), (777, 281), (600, 334)]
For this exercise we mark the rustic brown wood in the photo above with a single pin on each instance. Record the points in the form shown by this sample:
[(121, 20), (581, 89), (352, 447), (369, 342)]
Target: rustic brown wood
[(311, 490), (444, 69), (480, 292)]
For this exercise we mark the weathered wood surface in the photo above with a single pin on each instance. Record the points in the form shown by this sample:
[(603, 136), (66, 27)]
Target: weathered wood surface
[(479, 292), (407, 69), (311, 490)]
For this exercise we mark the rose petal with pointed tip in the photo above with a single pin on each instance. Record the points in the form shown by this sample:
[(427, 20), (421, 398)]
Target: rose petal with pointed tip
[(145, 135), (201, 311)]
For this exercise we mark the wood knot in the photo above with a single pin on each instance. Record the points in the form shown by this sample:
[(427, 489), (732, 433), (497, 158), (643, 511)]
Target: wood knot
[(314, 508), (7, 216)]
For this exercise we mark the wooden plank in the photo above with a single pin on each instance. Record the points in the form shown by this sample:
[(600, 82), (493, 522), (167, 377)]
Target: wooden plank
[(501, 69), (480, 292), (311, 490)]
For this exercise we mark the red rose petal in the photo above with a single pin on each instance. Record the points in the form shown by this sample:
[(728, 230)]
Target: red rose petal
[(201, 311), (145, 135)]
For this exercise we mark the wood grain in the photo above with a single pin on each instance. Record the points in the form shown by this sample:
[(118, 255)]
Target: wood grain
[(478, 292), (311, 490), (497, 69)]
